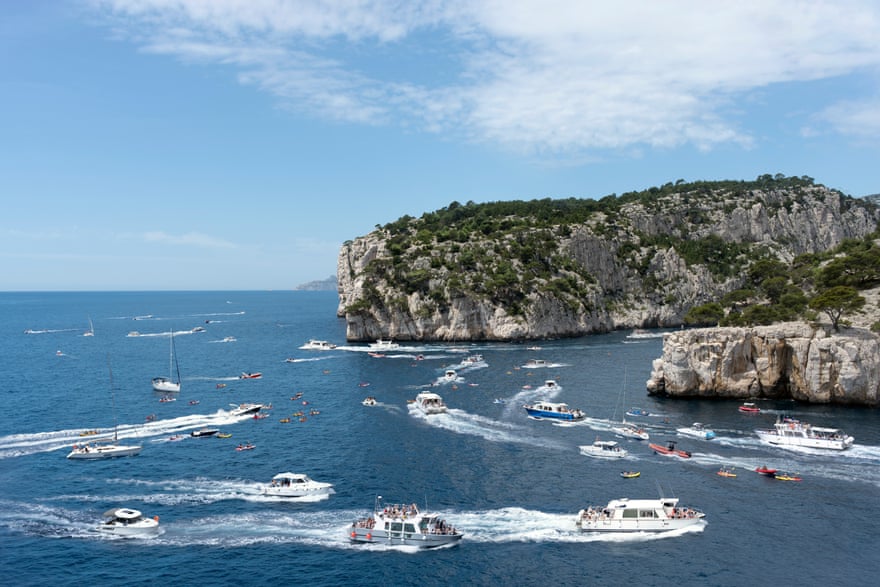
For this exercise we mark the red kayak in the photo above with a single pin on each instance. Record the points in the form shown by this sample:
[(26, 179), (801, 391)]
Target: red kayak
[(749, 408), (765, 471), (669, 450)]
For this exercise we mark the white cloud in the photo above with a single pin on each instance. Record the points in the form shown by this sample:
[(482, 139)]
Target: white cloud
[(561, 76), (855, 118), (194, 239)]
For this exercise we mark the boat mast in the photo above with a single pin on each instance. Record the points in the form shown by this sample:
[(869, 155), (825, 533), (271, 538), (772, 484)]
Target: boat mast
[(174, 359)]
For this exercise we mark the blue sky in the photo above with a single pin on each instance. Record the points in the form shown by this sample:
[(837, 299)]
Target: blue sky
[(236, 144)]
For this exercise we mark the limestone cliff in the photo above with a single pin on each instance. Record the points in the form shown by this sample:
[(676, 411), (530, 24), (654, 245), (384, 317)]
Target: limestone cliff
[(785, 361), (549, 269)]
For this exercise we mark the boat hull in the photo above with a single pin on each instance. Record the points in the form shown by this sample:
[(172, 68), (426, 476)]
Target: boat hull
[(637, 525), (394, 538), (548, 415), (165, 384), (772, 437)]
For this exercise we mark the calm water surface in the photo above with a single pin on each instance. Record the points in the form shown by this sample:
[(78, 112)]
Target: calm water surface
[(512, 484)]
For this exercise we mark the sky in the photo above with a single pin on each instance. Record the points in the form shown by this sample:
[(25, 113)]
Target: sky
[(237, 144)]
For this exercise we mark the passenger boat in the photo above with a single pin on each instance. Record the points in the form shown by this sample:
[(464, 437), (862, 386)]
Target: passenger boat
[(296, 485), (603, 449), (749, 408), (697, 430), (535, 364), (669, 450), (789, 432), (128, 523), (638, 515), (630, 474), (403, 525), (384, 345), (430, 403), (628, 430), (766, 471), (553, 411), (318, 345)]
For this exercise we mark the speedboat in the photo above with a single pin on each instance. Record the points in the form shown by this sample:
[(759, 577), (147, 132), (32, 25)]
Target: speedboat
[(697, 430), (204, 432), (788, 432), (553, 411), (637, 515), (384, 345), (549, 385), (249, 375), (129, 523), (242, 409), (450, 376), (628, 430), (318, 345), (535, 364), (403, 525), (369, 401), (605, 449), (669, 450), (296, 485), (430, 403), (749, 408), (637, 412)]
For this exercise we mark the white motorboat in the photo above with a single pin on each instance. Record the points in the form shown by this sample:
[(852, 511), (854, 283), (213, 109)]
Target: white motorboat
[(789, 432), (605, 449), (167, 384), (638, 515), (430, 403), (553, 411), (296, 485), (697, 430), (384, 345), (318, 345), (628, 430), (403, 525), (549, 385), (246, 408), (369, 401), (203, 432), (450, 376), (128, 523)]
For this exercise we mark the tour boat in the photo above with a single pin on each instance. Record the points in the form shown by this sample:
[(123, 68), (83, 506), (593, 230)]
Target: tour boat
[(553, 411), (669, 450), (318, 345), (697, 430), (128, 523), (789, 432), (604, 449), (549, 385), (430, 403), (384, 345), (296, 485), (749, 408), (403, 525), (638, 515)]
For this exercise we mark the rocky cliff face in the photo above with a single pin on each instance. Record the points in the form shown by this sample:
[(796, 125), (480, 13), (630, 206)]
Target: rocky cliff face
[(786, 361), (620, 269)]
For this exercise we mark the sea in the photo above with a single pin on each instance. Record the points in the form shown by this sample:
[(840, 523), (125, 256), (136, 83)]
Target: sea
[(513, 485)]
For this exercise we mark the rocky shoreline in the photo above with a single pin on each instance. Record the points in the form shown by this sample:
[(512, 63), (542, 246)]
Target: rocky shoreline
[(792, 360)]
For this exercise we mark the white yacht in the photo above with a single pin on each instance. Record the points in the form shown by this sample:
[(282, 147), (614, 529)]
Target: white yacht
[(318, 345), (129, 523), (604, 449), (553, 411), (384, 345), (246, 408), (790, 432), (102, 450), (430, 403), (296, 485), (697, 430), (629, 430), (403, 525), (638, 515)]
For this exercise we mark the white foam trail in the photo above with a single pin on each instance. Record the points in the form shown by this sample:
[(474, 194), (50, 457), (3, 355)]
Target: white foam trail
[(462, 422)]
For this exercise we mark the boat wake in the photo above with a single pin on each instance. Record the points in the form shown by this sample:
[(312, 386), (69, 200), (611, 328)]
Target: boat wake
[(461, 422)]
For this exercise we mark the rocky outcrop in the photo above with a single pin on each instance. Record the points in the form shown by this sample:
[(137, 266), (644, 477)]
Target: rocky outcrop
[(624, 266), (785, 361)]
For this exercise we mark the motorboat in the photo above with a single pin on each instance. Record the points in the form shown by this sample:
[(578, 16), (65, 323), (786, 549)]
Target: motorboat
[(384, 345), (766, 471), (369, 401), (669, 450), (430, 403), (243, 409), (296, 485), (697, 430), (749, 408), (318, 345), (628, 430), (102, 450), (203, 432), (167, 384), (129, 523), (789, 432), (198, 329), (229, 339), (637, 412), (630, 474), (535, 364), (549, 385), (638, 515), (604, 449), (249, 375), (133, 333), (553, 411), (247, 446), (403, 525)]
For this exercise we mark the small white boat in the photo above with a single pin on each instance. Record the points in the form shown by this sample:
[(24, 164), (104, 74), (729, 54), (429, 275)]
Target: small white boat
[(788, 432), (549, 385), (605, 449), (628, 430), (128, 523), (553, 411), (637, 515), (229, 339), (384, 345), (403, 525), (91, 330), (296, 485), (369, 401), (246, 408), (318, 345), (133, 333), (430, 403), (167, 384), (450, 376), (697, 430)]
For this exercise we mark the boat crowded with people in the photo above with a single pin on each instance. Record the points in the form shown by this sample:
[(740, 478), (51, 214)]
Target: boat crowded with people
[(789, 432), (403, 525), (638, 515), (430, 403), (554, 411)]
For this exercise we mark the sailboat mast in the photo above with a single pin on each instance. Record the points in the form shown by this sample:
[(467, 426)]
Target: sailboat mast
[(174, 359), (113, 402)]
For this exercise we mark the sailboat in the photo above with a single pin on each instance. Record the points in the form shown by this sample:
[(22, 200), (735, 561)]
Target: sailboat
[(105, 449), (91, 330), (167, 384), (626, 429)]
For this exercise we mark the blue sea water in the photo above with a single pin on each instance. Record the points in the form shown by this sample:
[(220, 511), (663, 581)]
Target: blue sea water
[(513, 485)]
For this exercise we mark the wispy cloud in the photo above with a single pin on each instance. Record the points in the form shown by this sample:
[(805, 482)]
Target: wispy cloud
[(194, 239), (534, 75)]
